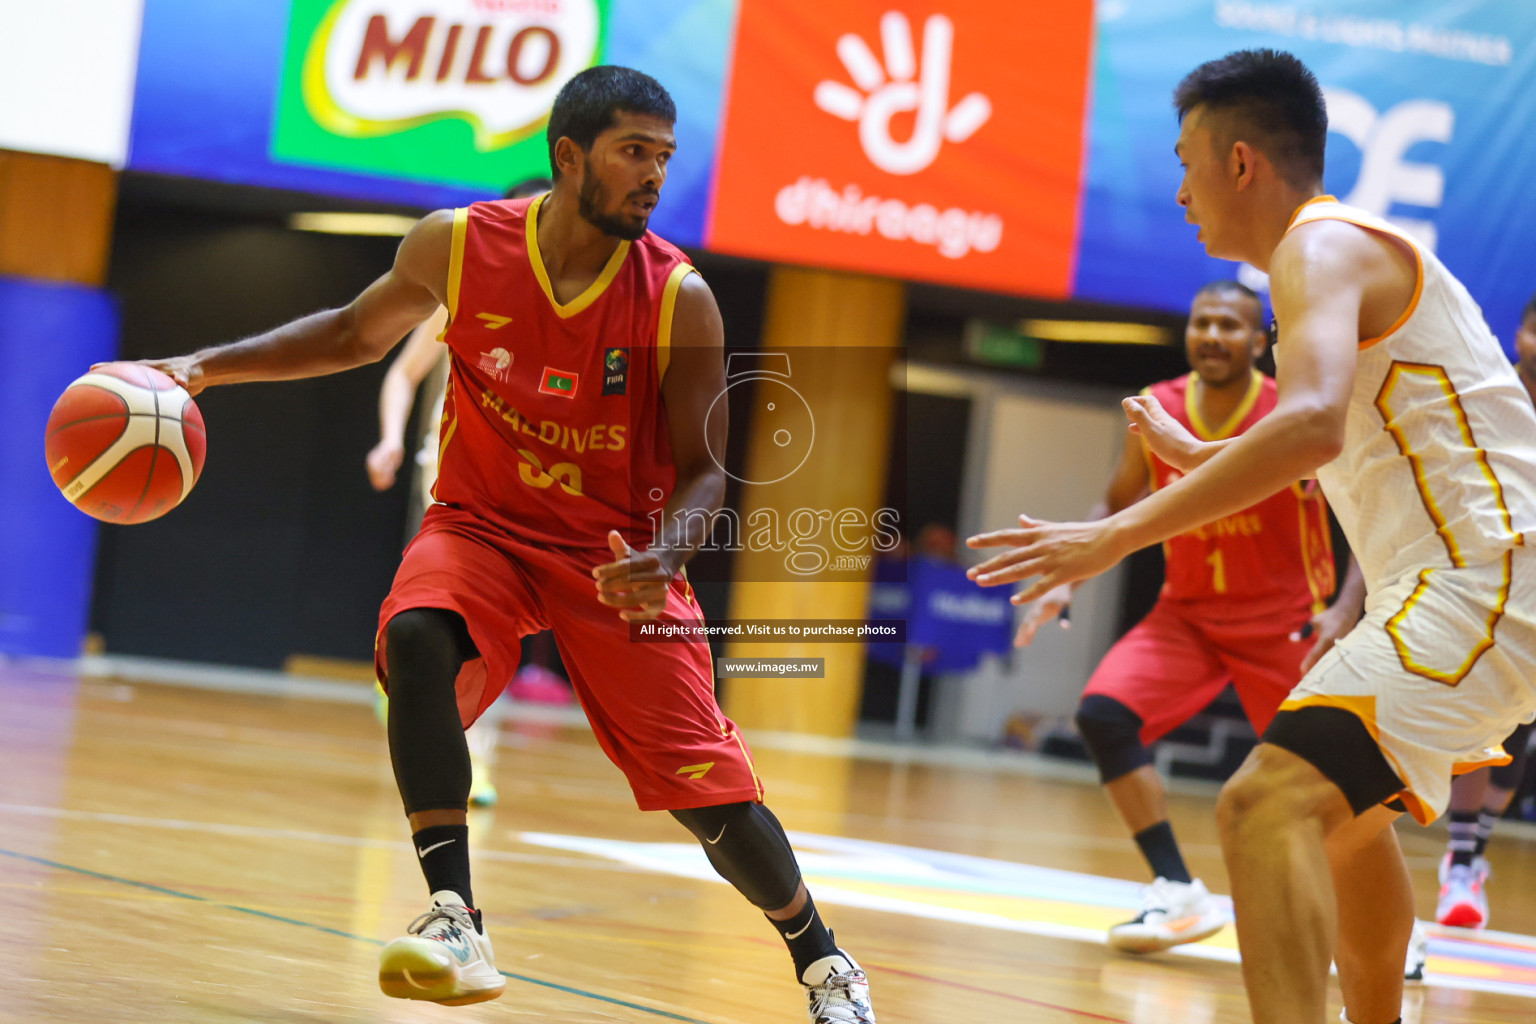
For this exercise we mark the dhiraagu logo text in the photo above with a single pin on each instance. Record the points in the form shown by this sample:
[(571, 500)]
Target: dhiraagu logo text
[(440, 90)]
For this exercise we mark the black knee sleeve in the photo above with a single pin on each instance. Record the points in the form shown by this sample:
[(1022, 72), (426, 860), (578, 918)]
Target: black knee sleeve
[(1509, 776), (424, 648), (748, 847), (1112, 733), (1338, 744)]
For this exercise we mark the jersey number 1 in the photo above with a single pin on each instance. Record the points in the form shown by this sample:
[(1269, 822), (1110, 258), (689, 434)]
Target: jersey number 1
[(1218, 571)]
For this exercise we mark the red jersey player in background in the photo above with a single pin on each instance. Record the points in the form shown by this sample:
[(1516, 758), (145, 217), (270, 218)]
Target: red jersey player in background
[(1236, 596), (586, 354)]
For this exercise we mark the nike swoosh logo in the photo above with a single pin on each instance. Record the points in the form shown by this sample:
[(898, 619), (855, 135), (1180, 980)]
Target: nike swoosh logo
[(422, 853), (1183, 924), (801, 932), (713, 841)]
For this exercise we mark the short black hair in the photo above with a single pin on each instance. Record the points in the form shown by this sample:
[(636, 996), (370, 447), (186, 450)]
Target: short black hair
[(586, 105), (1269, 99), (528, 187), (1227, 286)]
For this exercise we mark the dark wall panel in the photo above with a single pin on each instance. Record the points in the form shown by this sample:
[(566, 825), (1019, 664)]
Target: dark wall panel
[(282, 548)]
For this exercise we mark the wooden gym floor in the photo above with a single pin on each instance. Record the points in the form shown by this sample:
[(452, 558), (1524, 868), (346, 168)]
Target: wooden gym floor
[(181, 854)]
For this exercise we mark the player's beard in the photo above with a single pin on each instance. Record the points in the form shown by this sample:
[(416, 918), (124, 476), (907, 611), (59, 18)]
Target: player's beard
[(590, 202)]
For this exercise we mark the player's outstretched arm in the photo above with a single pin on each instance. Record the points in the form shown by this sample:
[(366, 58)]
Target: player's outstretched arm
[(336, 339), (1318, 284), (397, 393), (636, 581)]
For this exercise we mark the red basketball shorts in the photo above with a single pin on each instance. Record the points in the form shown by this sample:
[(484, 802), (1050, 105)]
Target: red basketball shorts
[(652, 705), (1173, 663)]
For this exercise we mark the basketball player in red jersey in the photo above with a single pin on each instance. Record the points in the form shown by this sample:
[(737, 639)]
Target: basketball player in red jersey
[(1236, 595), (586, 354)]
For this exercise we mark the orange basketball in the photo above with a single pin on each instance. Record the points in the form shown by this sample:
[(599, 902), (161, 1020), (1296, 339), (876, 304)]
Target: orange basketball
[(125, 443)]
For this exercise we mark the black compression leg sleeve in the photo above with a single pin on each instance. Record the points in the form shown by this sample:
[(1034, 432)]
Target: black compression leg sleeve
[(748, 847), (1112, 733), (1338, 744), (424, 648), (1509, 776)]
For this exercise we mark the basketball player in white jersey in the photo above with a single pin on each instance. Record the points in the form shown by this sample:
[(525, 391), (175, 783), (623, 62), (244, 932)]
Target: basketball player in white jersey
[(1396, 396)]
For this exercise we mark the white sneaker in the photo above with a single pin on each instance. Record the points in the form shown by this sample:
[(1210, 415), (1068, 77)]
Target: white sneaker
[(1463, 894), (443, 958), (1172, 913), (838, 991), (1418, 953)]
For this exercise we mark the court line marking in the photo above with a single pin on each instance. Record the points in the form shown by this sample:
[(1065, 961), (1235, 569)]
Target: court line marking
[(324, 838), (935, 980), (599, 997), (666, 858)]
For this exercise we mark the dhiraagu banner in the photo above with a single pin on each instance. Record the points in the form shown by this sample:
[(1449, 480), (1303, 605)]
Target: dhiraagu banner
[(454, 91)]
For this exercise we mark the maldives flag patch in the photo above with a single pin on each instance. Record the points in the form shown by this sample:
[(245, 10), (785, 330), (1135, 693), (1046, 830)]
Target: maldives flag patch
[(559, 382)]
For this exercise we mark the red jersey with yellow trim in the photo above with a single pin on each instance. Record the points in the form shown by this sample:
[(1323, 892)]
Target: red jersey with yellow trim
[(1274, 558), (553, 427)]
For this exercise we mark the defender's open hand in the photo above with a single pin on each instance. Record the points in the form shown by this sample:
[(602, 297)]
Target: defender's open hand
[(1054, 553)]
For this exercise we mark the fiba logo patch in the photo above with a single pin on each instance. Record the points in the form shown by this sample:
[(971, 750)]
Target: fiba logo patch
[(615, 371), (496, 364)]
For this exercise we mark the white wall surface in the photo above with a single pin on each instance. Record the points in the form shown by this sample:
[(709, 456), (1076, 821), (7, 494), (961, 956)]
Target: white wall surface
[(1045, 449), (67, 72)]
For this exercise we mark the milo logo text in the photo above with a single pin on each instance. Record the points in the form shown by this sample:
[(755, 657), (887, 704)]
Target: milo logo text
[(375, 67)]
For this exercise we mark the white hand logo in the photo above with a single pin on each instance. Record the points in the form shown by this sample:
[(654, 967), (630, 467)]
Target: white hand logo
[(883, 98)]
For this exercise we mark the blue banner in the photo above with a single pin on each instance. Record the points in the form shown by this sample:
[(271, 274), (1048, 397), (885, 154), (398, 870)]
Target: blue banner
[(952, 619), (214, 79), (49, 335), (955, 619), (1431, 108), (890, 599)]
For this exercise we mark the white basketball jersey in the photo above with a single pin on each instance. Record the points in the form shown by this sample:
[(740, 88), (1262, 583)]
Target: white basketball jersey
[(1439, 460)]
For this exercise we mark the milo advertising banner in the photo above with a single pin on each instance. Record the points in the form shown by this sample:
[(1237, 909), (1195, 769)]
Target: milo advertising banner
[(456, 91), (428, 103)]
